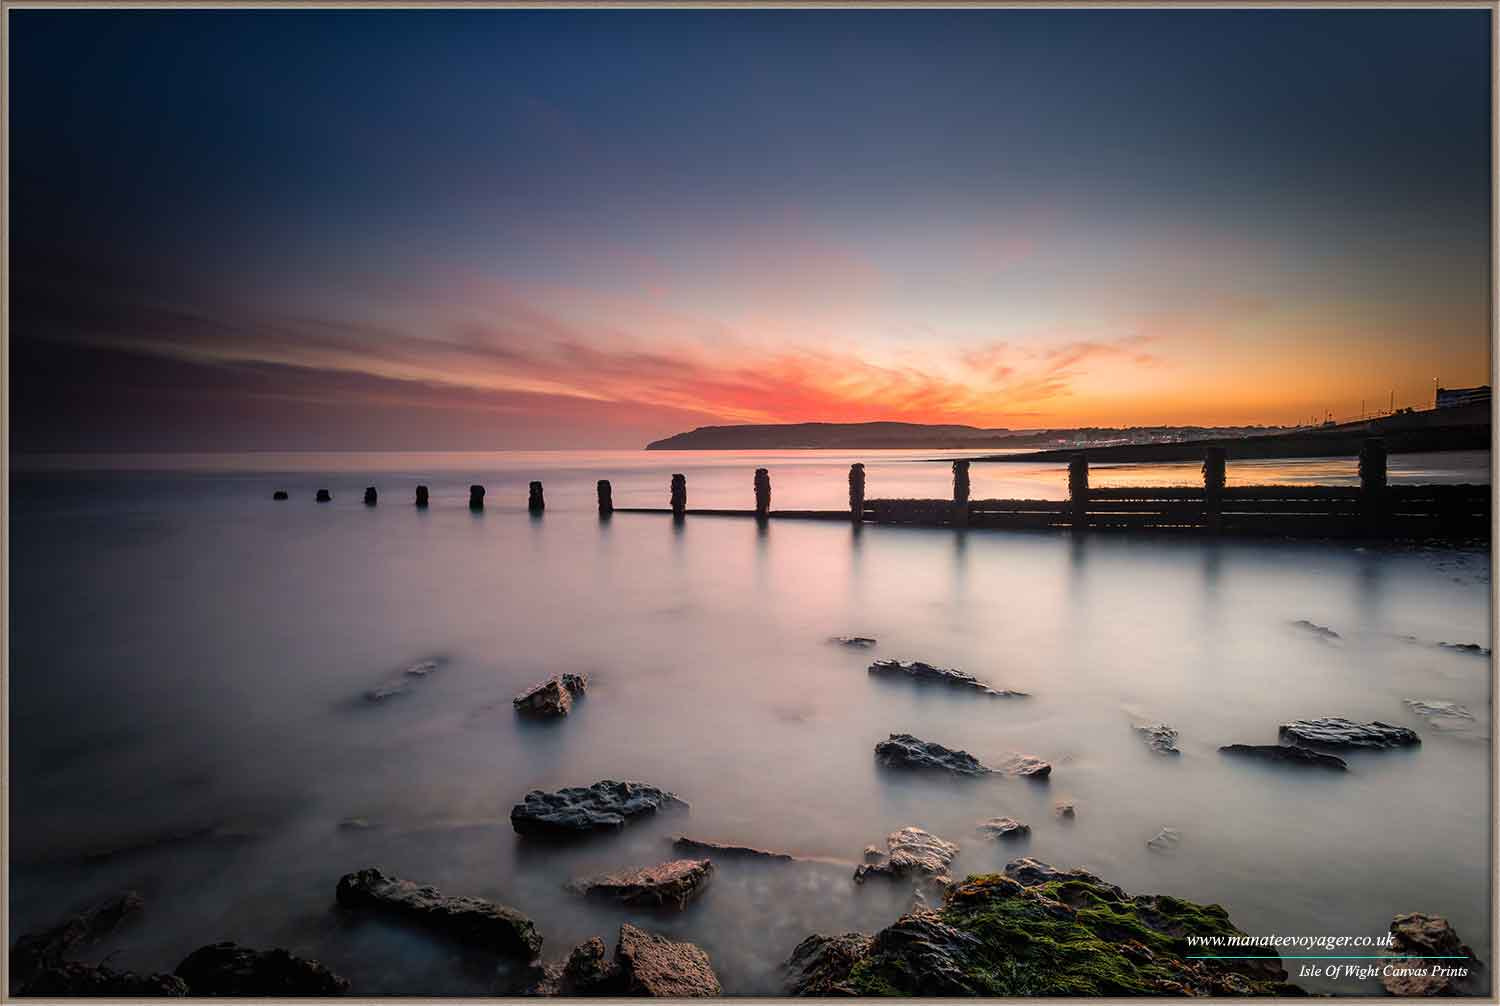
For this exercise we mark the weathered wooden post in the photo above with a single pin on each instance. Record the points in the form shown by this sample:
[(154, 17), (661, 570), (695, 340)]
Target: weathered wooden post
[(1374, 499), (961, 493), (534, 501), (762, 494), (1078, 491), (280, 494), (1213, 487), (324, 496), (679, 495), (606, 498), (857, 492), (370, 496), (421, 495), (476, 497)]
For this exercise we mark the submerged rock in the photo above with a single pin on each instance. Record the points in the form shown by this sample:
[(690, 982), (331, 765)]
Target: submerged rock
[(1065, 809), (1410, 970), (1004, 827), (919, 671), (1165, 841), (685, 844), (1447, 716), (856, 642), (666, 885), (1061, 933), (588, 971), (578, 810), (402, 683), (35, 952), (1158, 737), (356, 824), (472, 921), (1336, 732), (912, 851), (1286, 754), (548, 699), (651, 965), (1471, 648), (1321, 631), (908, 752), (820, 965), (228, 969), (72, 979)]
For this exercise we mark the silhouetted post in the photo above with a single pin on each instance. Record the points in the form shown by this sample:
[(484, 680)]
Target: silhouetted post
[(961, 492), (476, 497), (1374, 500), (279, 494), (324, 496), (421, 495), (370, 496), (679, 495), (1078, 490), (606, 498), (534, 501), (857, 492), (1213, 487), (762, 494)]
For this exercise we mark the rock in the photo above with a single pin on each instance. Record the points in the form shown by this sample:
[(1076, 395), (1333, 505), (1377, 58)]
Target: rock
[(1004, 827), (1410, 969), (1471, 648), (1028, 766), (911, 851), (685, 844), (1321, 631), (1336, 732), (402, 683), (35, 952), (918, 671), (1064, 809), (1064, 933), (857, 642), (577, 684), (324, 496), (553, 697), (587, 972), (371, 496), (472, 921), (652, 965), (1165, 841), (71, 979), (356, 824), (873, 854), (604, 806), (667, 885), (908, 752), (228, 969), (1447, 716), (280, 494), (820, 965), (1158, 737), (1283, 754)]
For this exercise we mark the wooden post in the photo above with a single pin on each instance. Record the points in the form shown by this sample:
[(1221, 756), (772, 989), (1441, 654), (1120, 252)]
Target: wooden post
[(476, 497), (534, 501), (324, 496), (606, 498), (961, 493), (421, 495), (857, 493), (370, 496), (1213, 487), (280, 494), (762, 494), (1078, 490), (1374, 500), (679, 495)]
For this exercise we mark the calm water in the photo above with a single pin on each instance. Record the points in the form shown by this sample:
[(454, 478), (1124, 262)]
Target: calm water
[(188, 659)]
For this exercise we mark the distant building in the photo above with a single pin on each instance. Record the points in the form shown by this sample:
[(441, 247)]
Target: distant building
[(1449, 398)]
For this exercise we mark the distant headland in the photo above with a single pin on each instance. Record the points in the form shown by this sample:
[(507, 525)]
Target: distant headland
[(918, 436)]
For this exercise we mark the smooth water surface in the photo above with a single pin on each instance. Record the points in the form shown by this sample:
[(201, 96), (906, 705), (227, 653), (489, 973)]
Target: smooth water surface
[(189, 661)]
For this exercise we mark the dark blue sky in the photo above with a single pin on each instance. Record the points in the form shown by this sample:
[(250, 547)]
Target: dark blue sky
[(558, 227)]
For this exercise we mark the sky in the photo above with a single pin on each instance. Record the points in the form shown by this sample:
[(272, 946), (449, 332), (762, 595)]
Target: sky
[(423, 230)]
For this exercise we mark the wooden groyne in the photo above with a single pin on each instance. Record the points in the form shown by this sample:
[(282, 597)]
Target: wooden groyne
[(1374, 509)]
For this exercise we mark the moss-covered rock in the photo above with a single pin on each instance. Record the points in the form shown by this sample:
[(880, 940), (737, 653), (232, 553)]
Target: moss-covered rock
[(1042, 932)]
